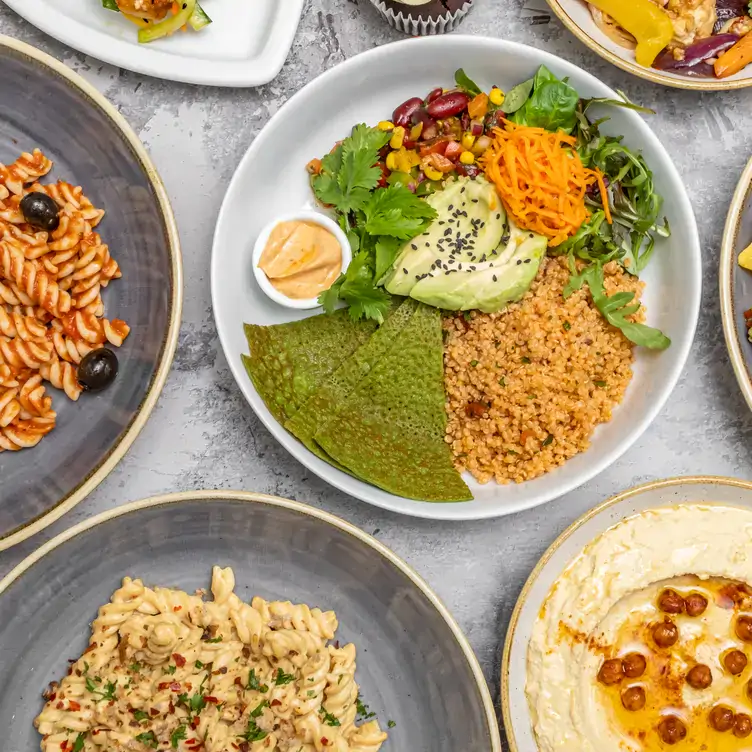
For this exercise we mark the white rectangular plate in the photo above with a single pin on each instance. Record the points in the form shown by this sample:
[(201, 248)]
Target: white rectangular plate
[(246, 45)]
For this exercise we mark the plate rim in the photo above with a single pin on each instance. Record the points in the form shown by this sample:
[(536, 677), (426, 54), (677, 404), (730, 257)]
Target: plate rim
[(159, 63), (678, 480), (727, 271), (418, 509), (211, 496), (170, 341), (649, 74)]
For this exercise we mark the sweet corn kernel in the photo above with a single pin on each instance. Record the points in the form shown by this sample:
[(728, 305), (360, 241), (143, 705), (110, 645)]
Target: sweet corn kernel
[(415, 131), (467, 157), (398, 137), (385, 125), (496, 97), (391, 161), (468, 140), (432, 174)]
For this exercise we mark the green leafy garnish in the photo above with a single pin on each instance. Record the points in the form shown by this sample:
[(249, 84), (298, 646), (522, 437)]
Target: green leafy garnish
[(199, 665), (133, 667), (111, 5), (465, 83), (375, 219), (256, 712), (547, 440), (253, 682), (362, 710), (177, 735), (108, 693), (171, 669), (328, 718), (391, 724), (194, 704), (253, 732), (616, 308), (78, 745), (552, 104), (140, 716), (149, 739), (215, 639), (283, 678)]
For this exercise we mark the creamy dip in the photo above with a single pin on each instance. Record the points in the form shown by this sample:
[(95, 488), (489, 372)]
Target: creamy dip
[(301, 259)]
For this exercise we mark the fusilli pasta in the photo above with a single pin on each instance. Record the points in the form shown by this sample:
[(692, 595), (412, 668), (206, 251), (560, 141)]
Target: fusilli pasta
[(168, 670), (51, 308)]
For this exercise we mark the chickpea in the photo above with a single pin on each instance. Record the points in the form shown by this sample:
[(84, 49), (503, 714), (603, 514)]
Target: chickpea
[(672, 729), (670, 602), (634, 665), (611, 672), (699, 676), (695, 603), (742, 725), (721, 718), (749, 689), (665, 633), (735, 662), (633, 698), (743, 628)]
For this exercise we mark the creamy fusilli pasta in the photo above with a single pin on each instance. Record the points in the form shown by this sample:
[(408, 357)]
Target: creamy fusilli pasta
[(165, 670), (51, 308)]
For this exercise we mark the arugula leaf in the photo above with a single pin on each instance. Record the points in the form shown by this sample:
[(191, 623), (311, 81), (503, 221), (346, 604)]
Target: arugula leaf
[(517, 96), (397, 212), (328, 718), (78, 745), (178, 734), (616, 308), (552, 104), (283, 678), (465, 83), (149, 739), (253, 682)]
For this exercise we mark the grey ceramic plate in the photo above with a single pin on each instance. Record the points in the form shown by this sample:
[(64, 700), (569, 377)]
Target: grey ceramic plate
[(736, 283), (44, 104), (414, 665)]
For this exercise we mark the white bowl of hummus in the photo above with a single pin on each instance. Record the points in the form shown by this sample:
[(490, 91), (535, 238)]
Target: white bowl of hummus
[(298, 256), (634, 632)]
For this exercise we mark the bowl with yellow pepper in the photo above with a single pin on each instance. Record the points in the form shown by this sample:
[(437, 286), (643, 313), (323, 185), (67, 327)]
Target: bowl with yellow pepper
[(689, 44)]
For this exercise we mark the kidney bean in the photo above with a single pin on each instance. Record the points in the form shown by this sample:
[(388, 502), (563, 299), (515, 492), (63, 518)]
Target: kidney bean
[(468, 171), (434, 94), (465, 121), (403, 114), (451, 103)]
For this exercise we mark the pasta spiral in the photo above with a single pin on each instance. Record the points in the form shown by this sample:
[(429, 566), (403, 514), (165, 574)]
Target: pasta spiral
[(167, 670)]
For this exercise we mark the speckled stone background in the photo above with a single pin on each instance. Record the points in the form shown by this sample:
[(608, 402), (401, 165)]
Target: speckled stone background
[(202, 434)]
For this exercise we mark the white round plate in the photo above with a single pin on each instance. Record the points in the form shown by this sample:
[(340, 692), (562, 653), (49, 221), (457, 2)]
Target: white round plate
[(246, 45), (575, 15), (691, 490), (271, 180)]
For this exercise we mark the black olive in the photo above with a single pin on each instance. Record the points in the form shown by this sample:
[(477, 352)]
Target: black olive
[(97, 370), (40, 211)]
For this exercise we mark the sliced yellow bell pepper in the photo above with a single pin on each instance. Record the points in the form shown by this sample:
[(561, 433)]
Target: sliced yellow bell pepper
[(649, 24), (745, 258)]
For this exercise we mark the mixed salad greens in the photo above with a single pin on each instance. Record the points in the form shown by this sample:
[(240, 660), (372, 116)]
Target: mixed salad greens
[(162, 18), (377, 179)]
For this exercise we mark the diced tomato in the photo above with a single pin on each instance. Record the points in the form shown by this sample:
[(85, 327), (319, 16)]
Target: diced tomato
[(437, 147), (212, 699), (179, 660), (73, 705), (453, 150)]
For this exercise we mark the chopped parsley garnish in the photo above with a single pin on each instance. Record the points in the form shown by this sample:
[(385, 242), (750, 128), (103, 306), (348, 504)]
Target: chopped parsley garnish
[(253, 732), (149, 739), (259, 709), (600, 383), (567, 326), (328, 718), (362, 708), (391, 724), (473, 363), (547, 440), (78, 745), (108, 693), (215, 639), (526, 360), (502, 381), (176, 736), (310, 693), (140, 716), (193, 704), (253, 682), (86, 668), (283, 678), (133, 667), (171, 669)]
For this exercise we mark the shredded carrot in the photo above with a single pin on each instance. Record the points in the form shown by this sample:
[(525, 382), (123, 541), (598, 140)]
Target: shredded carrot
[(542, 180)]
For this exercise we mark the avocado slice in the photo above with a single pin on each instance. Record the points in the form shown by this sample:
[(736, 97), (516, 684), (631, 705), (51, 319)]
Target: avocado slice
[(471, 257)]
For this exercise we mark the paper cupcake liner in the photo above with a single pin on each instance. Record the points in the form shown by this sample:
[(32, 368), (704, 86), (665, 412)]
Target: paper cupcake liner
[(410, 22)]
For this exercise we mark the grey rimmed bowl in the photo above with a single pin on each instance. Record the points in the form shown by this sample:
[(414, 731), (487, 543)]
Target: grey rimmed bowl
[(414, 665), (44, 104)]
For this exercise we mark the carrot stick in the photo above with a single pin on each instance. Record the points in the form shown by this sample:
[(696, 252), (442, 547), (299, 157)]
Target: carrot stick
[(735, 58)]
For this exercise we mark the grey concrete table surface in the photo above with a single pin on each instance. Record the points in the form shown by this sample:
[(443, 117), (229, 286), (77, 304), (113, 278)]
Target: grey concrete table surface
[(202, 433)]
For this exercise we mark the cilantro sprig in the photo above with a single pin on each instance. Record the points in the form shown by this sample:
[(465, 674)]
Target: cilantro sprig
[(376, 219)]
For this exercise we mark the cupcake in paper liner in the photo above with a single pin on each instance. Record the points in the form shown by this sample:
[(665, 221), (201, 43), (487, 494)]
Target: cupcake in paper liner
[(423, 17)]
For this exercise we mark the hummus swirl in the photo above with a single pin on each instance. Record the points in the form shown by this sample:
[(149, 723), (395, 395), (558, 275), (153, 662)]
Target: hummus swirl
[(615, 579)]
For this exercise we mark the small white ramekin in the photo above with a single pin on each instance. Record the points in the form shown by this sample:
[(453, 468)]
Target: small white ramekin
[(303, 215)]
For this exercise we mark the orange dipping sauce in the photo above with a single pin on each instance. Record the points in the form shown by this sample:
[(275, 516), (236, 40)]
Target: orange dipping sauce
[(301, 259)]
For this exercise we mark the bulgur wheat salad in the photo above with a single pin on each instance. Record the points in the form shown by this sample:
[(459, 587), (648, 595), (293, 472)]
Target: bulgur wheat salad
[(488, 318)]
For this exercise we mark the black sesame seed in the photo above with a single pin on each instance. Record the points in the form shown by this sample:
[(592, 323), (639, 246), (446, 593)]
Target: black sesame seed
[(413, 246), (428, 245), (527, 261), (462, 189), (475, 200), (448, 231), (532, 235), (498, 216), (451, 206), (494, 278), (404, 270), (519, 261)]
